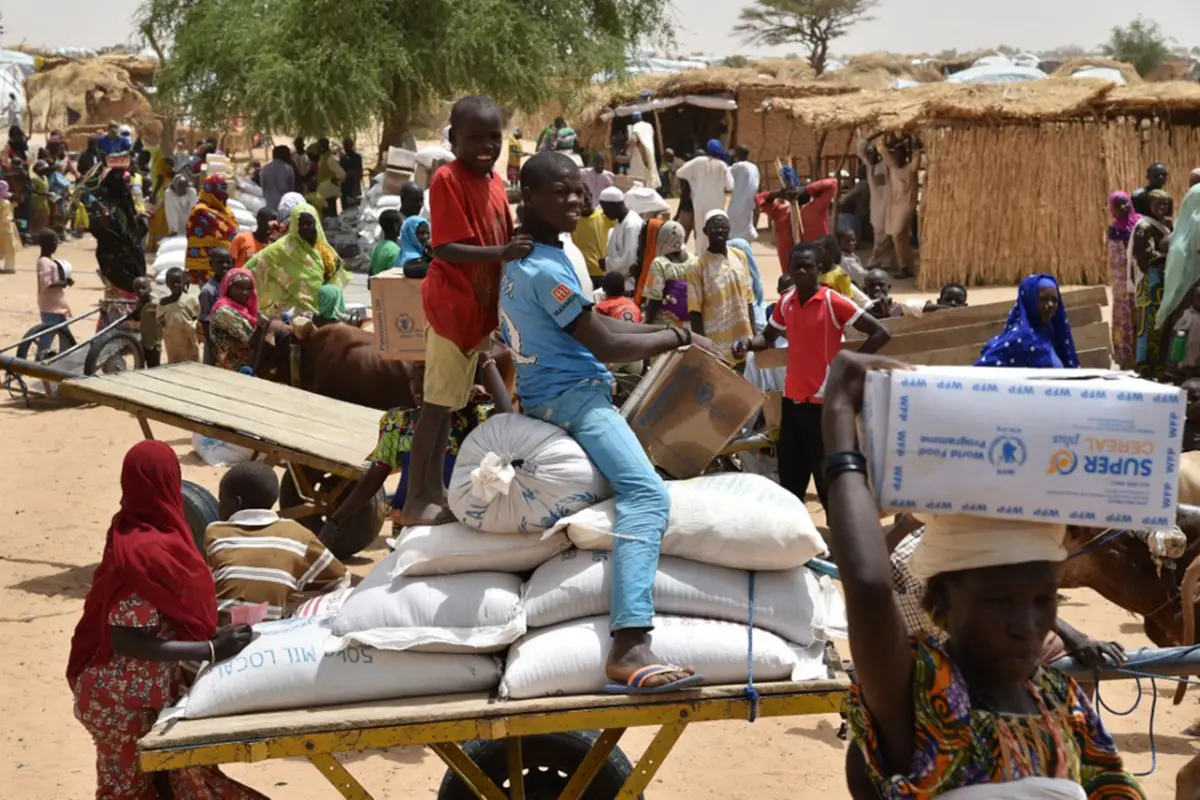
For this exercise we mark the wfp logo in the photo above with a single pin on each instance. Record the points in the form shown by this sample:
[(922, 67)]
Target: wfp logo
[(405, 324), (1062, 462), (1007, 452), (704, 393)]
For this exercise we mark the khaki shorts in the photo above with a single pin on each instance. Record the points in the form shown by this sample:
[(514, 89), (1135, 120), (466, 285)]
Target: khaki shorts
[(449, 372)]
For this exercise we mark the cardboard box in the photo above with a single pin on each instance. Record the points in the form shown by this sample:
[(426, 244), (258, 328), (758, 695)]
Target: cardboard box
[(1078, 447), (771, 359), (773, 409), (687, 408), (394, 180), (401, 159), (399, 316)]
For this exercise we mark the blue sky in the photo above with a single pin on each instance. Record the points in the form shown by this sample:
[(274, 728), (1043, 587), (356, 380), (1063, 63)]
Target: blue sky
[(900, 25)]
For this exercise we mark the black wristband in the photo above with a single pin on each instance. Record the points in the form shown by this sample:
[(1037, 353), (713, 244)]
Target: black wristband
[(836, 464), (679, 337), (687, 335)]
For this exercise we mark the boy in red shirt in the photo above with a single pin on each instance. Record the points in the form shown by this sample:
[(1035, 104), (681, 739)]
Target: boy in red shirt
[(615, 303), (472, 236), (814, 201), (812, 317)]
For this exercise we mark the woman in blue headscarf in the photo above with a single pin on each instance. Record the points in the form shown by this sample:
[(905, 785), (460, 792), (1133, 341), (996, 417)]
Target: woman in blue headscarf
[(1037, 334), (414, 244)]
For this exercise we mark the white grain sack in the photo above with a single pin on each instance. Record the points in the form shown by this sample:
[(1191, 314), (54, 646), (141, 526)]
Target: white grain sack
[(475, 612), (569, 658), (794, 603), (731, 520), (286, 667), (516, 474), (423, 550)]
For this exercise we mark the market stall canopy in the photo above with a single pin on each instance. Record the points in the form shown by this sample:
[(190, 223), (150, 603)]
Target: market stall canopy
[(718, 102)]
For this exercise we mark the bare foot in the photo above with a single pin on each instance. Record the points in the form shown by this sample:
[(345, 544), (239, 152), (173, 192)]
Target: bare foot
[(418, 511), (630, 652)]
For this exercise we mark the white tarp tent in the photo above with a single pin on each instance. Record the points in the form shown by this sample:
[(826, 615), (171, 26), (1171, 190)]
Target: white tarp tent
[(718, 102), (1103, 73), (998, 73), (12, 91)]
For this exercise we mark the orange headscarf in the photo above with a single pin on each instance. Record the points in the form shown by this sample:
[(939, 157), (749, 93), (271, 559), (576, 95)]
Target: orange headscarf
[(648, 257)]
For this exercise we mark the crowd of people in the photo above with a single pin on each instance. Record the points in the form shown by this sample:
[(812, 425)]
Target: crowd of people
[(950, 690), (1154, 260)]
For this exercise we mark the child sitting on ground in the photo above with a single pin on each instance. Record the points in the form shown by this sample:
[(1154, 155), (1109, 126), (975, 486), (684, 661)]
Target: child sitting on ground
[(848, 244), (881, 305), (616, 303), (560, 347), (257, 557), (177, 316), (146, 313)]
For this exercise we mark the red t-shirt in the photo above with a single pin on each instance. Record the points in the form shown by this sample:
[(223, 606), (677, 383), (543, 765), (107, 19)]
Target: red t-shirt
[(815, 213), (780, 214), (621, 308), (462, 300), (814, 334)]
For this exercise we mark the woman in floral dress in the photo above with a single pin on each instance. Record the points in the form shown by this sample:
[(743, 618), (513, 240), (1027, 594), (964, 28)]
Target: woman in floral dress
[(151, 605), (236, 325)]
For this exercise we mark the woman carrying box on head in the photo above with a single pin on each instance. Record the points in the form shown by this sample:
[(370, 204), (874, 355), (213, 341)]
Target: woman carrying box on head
[(976, 716)]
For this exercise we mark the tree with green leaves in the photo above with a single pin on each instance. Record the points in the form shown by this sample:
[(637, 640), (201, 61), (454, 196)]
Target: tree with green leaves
[(322, 67), (1141, 43), (812, 23)]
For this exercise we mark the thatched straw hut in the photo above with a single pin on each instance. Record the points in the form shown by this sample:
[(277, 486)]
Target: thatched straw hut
[(1016, 177), (87, 94), (690, 107)]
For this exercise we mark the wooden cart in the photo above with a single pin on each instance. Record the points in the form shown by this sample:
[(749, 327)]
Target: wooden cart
[(555, 747), (323, 443)]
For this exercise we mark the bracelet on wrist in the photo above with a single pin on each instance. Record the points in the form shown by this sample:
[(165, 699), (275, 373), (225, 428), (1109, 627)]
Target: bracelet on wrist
[(836, 464), (212, 652)]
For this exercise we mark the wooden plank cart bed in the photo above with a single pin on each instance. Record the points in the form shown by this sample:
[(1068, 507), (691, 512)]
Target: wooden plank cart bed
[(510, 738)]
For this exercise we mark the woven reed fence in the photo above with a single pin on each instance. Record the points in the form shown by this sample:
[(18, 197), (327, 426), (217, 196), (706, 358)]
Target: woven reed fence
[(1003, 201)]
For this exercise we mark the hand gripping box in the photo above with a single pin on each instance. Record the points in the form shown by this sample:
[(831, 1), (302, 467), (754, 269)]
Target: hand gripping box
[(1076, 447)]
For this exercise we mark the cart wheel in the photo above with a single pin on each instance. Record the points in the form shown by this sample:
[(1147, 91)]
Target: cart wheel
[(32, 351), (112, 352), (199, 509), (549, 761), (358, 532)]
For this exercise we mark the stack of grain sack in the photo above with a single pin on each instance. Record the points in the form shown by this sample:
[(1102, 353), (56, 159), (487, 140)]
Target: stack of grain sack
[(245, 199), (514, 596)]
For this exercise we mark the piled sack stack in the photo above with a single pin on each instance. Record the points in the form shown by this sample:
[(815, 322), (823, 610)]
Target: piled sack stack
[(451, 604), (172, 252)]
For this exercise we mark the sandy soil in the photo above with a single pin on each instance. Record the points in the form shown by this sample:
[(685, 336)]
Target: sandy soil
[(61, 465)]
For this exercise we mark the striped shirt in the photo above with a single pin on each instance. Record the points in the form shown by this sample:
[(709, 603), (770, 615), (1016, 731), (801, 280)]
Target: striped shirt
[(257, 557)]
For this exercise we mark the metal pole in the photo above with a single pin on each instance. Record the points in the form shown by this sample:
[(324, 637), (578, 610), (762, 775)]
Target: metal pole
[(1161, 662), (88, 341), (49, 331)]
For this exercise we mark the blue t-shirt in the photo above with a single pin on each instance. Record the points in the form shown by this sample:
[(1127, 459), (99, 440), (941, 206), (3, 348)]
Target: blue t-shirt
[(540, 295)]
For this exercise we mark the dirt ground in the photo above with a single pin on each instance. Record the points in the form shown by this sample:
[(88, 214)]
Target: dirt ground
[(61, 465)]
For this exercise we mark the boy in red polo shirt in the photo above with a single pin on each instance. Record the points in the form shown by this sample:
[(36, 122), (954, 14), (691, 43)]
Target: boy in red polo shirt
[(812, 317), (472, 236)]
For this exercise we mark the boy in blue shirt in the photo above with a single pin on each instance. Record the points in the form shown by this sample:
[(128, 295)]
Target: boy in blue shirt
[(560, 348)]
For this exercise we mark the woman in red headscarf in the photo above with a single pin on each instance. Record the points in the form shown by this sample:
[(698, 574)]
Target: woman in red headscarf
[(152, 605), (211, 224), (235, 325)]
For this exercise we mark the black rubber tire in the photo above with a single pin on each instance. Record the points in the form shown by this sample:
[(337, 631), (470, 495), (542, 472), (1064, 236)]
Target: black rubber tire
[(358, 533), (56, 337), (113, 341), (200, 510), (550, 761)]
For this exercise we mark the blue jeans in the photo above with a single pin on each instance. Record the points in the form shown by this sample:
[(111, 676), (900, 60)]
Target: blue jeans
[(643, 506), (65, 339)]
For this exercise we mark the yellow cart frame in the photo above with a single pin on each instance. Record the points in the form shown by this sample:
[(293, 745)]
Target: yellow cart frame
[(441, 724)]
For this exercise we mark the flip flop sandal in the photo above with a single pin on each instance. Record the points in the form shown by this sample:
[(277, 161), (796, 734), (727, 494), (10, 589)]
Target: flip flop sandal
[(637, 681)]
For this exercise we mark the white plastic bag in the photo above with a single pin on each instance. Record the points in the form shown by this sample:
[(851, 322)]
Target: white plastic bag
[(569, 658), (794, 603), (731, 520), (518, 474), (423, 550), (475, 612), (286, 667), (217, 453)]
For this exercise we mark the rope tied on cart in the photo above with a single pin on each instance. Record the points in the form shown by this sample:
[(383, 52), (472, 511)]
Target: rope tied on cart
[(751, 694)]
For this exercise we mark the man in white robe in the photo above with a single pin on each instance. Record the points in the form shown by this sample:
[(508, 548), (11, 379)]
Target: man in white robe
[(643, 164), (710, 178), (741, 203)]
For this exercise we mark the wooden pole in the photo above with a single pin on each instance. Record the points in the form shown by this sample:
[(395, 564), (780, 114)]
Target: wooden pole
[(612, 156), (835, 208), (658, 134)]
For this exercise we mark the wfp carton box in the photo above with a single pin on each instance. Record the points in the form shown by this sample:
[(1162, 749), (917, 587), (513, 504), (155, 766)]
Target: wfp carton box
[(687, 408), (1075, 447), (398, 315)]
